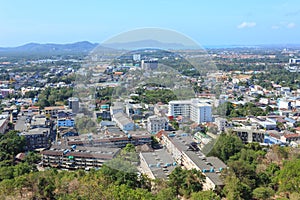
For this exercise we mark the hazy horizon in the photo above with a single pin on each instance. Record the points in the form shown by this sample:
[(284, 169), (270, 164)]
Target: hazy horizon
[(206, 46)]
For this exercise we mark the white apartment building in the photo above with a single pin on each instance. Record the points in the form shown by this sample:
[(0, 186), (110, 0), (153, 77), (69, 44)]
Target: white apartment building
[(198, 110), (221, 123), (155, 124), (294, 61), (180, 108)]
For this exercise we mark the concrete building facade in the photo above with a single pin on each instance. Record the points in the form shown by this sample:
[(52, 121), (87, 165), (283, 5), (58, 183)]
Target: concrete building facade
[(155, 124), (198, 110)]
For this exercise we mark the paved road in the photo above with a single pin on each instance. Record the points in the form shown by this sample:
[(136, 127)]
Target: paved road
[(21, 124)]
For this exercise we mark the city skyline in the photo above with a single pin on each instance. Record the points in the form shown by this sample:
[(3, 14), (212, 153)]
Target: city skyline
[(208, 23)]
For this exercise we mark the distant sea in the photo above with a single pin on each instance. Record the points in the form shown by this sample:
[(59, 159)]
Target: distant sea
[(292, 46), (229, 46)]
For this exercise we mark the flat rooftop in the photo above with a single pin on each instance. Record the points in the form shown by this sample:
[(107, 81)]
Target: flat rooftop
[(180, 102), (85, 138), (36, 131), (85, 152), (182, 142), (159, 162)]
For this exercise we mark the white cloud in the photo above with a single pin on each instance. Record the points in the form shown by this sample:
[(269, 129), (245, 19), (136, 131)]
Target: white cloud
[(291, 25), (284, 25), (246, 25), (275, 27)]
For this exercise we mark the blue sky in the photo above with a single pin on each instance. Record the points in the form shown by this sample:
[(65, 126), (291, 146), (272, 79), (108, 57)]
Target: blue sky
[(230, 22)]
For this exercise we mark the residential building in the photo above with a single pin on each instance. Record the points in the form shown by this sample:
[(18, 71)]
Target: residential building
[(3, 125), (155, 124), (123, 122), (248, 135), (53, 110), (14, 115), (104, 114), (161, 109), (185, 152), (66, 122), (39, 121), (31, 110), (64, 114), (150, 64), (110, 138), (37, 138), (294, 61), (133, 109), (270, 140), (201, 111), (284, 104), (198, 110), (5, 92), (288, 138), (221, 123), (157, 164), (136, 57), (180, 108), (77, 157), (67, 132), (74, 104), (268, 125), (105, 124), (116, 108)]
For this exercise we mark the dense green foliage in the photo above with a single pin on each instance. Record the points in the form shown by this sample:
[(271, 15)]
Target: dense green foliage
[(289, 177), (31, 94), (240, 67), (117, 179), (263, 193), (10, 145), (205, 195), (66, 79), (241, 110), (279, 76), (104, 93), (51, 96), (185, 182), (174, 124), (250, 175), (85, 125), (250, 172), (154, 96), (226, 146), (106, 183)]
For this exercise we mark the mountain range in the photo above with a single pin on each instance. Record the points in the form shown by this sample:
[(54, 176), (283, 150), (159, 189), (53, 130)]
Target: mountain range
[(146, 44), (85, 47), (36, 48)]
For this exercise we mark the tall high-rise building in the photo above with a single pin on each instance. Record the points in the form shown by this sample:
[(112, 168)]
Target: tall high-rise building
[(150, 64), (74, 104), (198, 110), (136, 57), (180, 108)]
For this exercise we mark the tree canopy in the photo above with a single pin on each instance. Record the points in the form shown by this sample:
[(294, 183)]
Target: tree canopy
[(227, 145)]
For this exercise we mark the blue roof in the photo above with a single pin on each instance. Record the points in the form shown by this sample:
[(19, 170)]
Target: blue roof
[(271, 140), (290, 120)]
